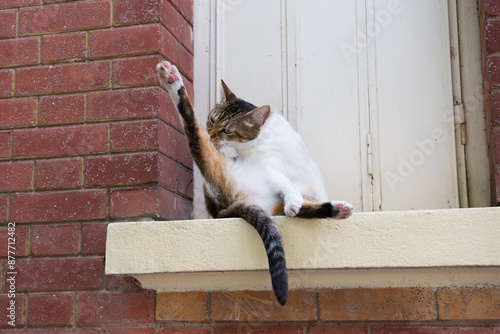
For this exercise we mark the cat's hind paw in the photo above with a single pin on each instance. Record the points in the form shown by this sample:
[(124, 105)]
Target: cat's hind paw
[(343, 209)]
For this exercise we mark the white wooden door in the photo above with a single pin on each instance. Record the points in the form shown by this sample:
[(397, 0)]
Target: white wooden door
[(367, 83)]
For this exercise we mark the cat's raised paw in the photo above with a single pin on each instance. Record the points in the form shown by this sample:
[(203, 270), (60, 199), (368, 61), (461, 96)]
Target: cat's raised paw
[(170, 77), (344, 209)]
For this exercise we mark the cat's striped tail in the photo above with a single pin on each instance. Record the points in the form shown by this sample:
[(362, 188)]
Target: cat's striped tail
[(271, 237)]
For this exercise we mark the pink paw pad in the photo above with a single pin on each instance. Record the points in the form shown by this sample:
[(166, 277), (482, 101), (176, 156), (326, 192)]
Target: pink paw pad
[(345, 210), (172, 78)]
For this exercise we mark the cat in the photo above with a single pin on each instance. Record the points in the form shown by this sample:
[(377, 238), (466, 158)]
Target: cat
[(254, 166)]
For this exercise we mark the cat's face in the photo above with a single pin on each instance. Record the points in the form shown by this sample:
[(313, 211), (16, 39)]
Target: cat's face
[(235, 120)]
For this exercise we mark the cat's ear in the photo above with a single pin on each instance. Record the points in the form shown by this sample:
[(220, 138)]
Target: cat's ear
[(227, 92), (257, 117)]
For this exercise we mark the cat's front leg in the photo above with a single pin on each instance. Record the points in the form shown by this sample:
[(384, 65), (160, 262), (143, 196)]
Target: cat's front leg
[(293, 203), (281, 184)]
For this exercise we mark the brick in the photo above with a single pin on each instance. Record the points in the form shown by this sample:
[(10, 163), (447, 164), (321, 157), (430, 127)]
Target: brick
[(19, 51), (187, 331), (168, 46), (55, 240), (494, 71), (63, 47), (121, 170), (168, 173), (116, 308), (135, 202), (492, 7), (65, 17), (177, 25), (496, 144), (124, 41), (58, 174), (6, 80), (152, 202), (17, 113), (7, 24), (186, 9), (21, 235), (50, 309), (123, 104), (64, 109), (16, 176), (134, 136), (62, 78), (53, 274), (130, 330), (58, 206), (185, 181), (467, 304), (174, 208), (4, 200), (135, 71), (262, 306), (94, 238), (492, 35), (168, 111), (175, 177), (122, 283), (337, 330), (387, 304), (435, 330), (246, 328), (188, 306), (5, 303), (185, 62), (18, 3), (56, 1), (495, 108), (174, 144), (496, 187), (52, 331), (136, 11), (189, 87), (4, 144), (60, 141)]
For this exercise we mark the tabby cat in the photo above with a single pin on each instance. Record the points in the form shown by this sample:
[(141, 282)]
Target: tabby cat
[(254, 166)]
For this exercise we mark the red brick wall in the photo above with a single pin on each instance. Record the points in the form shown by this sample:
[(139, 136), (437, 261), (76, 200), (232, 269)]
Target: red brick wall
[(490, 43), (87, 136)]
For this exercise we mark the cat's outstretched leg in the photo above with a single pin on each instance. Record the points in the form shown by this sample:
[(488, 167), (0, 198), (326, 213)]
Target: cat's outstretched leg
[(335, 209), (212, 164)]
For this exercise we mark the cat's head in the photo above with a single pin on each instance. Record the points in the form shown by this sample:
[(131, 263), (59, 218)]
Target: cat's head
[(235, 120)]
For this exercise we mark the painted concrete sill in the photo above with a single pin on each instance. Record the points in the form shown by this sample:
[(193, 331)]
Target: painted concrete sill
[(387, 249)]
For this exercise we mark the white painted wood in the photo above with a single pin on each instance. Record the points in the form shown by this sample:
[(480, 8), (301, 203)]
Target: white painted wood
[(329, 107), (414, 106), (342, 71), (249, 50), (476, 149)]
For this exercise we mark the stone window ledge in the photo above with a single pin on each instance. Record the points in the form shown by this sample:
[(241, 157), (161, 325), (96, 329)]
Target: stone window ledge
[(454, 247)]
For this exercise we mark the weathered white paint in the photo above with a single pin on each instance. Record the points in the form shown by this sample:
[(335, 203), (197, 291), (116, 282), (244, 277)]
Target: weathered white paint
[(436, 247)]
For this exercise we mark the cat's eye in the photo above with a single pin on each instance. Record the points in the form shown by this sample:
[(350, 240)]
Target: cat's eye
[(227, 131)]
